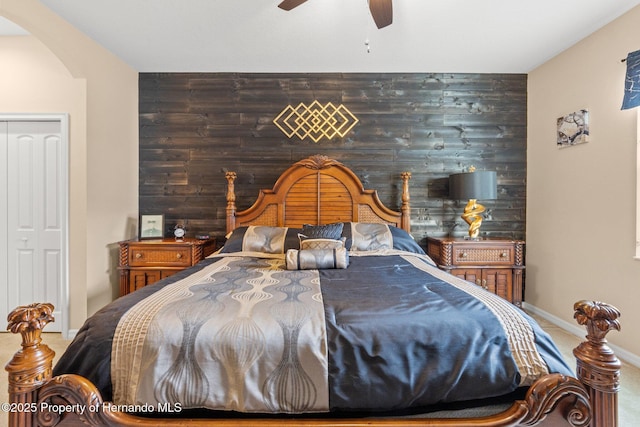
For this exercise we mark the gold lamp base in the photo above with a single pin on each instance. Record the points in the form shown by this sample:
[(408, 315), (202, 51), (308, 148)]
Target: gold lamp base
[(472, 216)]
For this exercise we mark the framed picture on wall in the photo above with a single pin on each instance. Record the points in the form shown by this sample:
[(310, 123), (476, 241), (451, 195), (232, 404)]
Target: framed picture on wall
[(151, 226), (573, 128)]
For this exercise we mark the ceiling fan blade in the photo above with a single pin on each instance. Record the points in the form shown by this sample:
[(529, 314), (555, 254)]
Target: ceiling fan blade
[(382, 12), (290, 4)]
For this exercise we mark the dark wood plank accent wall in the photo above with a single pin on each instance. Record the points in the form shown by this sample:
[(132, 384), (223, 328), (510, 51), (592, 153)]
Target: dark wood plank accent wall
[(196, 126)]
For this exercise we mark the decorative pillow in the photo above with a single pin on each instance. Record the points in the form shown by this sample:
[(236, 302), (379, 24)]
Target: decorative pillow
[(328, 231), (370, 236), (266, 239), (362, 236), (306, 243), (404, 241), (316, 259)]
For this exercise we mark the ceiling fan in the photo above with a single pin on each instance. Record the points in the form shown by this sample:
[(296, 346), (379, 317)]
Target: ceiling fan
[(381, 10)]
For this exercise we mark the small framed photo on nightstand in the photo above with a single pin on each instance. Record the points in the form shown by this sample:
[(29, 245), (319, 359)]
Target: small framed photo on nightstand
[(151, 226)]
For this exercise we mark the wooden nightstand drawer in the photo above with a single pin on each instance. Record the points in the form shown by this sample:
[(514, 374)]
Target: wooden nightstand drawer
[(487, 255), (496, 265), (170, 256), (143, 262)]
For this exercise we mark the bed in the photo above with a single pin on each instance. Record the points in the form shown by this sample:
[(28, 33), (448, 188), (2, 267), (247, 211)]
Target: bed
[(319, 310)]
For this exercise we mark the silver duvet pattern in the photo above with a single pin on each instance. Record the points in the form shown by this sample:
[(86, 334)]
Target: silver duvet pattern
[(202, 338)]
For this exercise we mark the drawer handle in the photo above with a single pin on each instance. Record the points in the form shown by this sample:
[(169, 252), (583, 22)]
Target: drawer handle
[(463, 255), (178, 256), (138, 255), (484, 284), (478, 282), (504, 254)]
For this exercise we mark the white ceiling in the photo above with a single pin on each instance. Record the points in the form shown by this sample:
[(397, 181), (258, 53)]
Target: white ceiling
[(472, 36), (8, 28)]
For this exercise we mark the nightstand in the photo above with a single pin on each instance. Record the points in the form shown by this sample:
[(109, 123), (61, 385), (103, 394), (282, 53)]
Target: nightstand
[(143, 262), (495, 264)]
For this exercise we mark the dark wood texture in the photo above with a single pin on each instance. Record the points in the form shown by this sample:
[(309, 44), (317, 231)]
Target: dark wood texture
[(143, 262), (317, 190), (195, 127), (553, 400), (495, 264)]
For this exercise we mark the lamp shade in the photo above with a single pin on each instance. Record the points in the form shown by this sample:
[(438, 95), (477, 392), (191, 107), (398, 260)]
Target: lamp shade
[(473, 185)]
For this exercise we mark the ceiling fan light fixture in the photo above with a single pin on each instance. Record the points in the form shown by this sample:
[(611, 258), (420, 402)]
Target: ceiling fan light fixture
[(382, 12), (290, 4)]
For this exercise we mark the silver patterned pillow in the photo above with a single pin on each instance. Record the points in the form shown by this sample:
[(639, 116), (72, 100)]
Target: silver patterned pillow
[(307, 243), (316, 259), (370, 236), (265, 239)]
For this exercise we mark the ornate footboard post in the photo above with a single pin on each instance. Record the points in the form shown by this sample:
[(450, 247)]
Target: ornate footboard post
[(30, 367), (597, 367)]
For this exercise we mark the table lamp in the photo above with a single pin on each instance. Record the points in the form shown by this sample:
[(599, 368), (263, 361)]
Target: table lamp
[(473, 185)]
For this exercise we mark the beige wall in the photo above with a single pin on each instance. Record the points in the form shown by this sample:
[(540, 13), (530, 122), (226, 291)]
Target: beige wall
[(33, 80), (60, 70), (581, 200)]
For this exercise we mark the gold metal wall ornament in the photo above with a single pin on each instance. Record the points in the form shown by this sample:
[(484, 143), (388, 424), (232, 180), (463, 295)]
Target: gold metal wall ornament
[(315, 121)]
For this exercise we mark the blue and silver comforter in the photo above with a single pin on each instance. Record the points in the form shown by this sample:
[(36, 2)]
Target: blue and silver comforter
[(240, 332)]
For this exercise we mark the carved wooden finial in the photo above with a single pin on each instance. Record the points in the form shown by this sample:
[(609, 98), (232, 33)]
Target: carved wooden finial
[(406, 206), (406, 176), (31, 366), (599, 318), (231, 177), (231, 201), (28, 320)]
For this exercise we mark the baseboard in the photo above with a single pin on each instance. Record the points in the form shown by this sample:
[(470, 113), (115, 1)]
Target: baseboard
[(574, 329)]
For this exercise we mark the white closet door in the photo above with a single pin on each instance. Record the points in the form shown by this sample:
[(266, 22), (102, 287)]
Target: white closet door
[(4, 306), (35, 222)]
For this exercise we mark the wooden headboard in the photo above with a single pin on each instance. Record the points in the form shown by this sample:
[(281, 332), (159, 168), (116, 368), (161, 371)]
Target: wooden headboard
[(317, 190)]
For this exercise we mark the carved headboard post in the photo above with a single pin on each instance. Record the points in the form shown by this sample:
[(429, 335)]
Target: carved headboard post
[(406, 207), (231, 201), (597, 367)]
